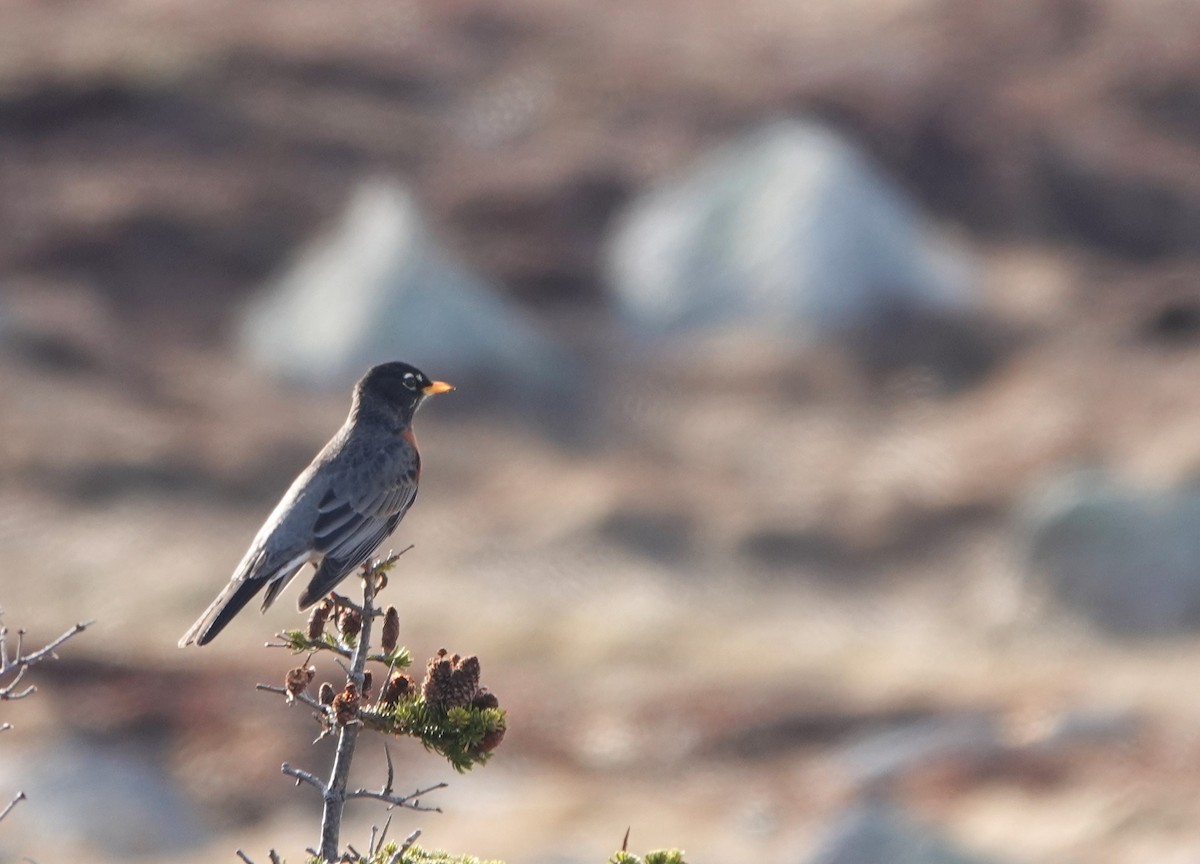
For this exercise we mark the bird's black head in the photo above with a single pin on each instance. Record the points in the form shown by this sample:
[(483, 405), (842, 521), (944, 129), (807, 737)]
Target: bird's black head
[(397, 387)]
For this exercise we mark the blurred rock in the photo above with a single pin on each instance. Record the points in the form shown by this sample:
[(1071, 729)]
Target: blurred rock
[(883, 756), (380, 287), (875, 832), (1081, 727), (1124, 558), (117, 799), (59, 329), (1105, 196), (795, 548), (658, 535), (793, 229)]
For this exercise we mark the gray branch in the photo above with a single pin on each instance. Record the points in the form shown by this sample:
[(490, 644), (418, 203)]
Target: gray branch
[(300, 697), (17, 799), (335, 790), (323, 646), (18, 663), (303, 776), (412, 801), (405, 846)]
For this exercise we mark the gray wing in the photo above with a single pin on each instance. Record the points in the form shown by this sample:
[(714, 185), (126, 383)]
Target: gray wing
[(359, 510)]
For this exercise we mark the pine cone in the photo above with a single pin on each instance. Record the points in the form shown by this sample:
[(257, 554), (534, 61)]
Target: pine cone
[(345, 704), (367, 679), (317, 620), (464, 682), (325, 696), (397, 687), (391, 630), (468, 669), (451, 681), (350, 623), (298, 679), (491, 740), (484, 699), (437, 679)]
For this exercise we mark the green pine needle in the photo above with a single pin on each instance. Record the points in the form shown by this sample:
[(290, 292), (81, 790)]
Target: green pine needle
[(414, 855), (458, 734), (298, 642), (659, 856)]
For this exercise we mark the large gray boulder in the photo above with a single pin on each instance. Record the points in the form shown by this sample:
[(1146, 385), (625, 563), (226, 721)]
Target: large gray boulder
[(875, 832), (792, 229), (380, 287), (1126, 559), (115, 798)]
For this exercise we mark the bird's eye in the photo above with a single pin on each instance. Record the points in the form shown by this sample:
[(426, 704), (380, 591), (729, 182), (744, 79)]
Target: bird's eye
[(410, 381)]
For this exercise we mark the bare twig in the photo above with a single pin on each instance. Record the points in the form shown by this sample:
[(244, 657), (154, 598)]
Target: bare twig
[(10, 692), (342, 651), (19, 662), (13, 668), (48, 650), (243, 856), (299, 697), (303, 776), (387, 787), (404, 847), (377, 842), (412, 802), (17, 799), (325, 646), (275, 859)]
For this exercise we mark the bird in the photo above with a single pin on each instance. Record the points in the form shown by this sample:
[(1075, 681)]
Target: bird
[(342, 506)]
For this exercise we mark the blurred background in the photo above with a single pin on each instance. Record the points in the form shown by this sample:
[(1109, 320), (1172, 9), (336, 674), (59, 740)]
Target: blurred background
[(820, 486)]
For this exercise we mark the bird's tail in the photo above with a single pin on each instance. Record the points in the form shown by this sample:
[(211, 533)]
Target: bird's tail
[(232, 599), (259, 570)]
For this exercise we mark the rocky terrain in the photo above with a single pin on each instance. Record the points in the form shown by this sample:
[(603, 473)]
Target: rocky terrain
[(766, 599)]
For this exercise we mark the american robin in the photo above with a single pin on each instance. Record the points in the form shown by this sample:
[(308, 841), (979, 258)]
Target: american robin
[(342, 506)]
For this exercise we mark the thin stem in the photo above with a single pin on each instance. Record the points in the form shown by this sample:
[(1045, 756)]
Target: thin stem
[(19, 663), (405, 846), (303, 776), (324, 646), (17, 799), (412, 802), (297, 697)]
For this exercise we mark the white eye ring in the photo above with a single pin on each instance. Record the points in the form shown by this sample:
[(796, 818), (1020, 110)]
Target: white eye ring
[(410, 381)]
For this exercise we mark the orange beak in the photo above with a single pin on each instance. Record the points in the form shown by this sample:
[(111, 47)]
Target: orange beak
[(437, 387)]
